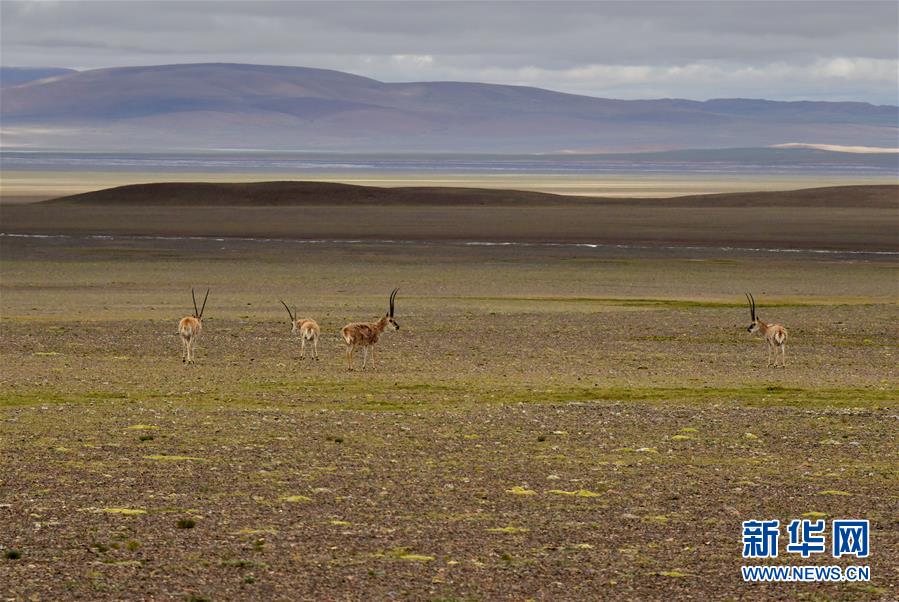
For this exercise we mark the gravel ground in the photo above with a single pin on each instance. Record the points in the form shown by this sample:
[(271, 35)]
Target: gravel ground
[(547, 424)]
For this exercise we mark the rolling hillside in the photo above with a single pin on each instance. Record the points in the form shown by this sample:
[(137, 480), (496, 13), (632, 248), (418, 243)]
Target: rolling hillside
[(200, 106), (299, 194)]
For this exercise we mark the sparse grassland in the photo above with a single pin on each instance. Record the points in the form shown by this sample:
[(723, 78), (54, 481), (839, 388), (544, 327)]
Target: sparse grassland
[(548, 423)]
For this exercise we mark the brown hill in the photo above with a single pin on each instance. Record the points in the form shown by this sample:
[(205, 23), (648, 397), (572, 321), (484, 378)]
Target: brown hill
[(299, 194)]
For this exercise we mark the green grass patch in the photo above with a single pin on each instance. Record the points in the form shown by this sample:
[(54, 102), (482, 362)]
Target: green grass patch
[(508, 530), (754, 396), (674, 573), (123, 511), (386, 394), (405, 554), (186, 523), (164, 458), (607, 301), (243, 564), (295, 499), (576, 493), (653, 303), (262, 531), (28, 398)]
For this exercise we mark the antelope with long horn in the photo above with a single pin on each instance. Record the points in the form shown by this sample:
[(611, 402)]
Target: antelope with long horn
[(190, 327), (775, 335), (366, 334), (306, 328)]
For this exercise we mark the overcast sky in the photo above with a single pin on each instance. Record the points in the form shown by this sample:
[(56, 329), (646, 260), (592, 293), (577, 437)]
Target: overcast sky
[(698, 50)]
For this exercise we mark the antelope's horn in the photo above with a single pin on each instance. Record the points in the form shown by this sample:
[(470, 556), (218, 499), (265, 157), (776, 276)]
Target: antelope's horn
[(751, 300), (288, 310), (393, 300), (204, 303), (192, 296)]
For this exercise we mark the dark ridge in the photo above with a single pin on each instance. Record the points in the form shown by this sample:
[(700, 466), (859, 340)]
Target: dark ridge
[(298, 194), (884, 196)]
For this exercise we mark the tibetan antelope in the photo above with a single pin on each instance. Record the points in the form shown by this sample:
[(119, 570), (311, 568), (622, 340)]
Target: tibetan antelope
[(306, 328), (775, 335), (190, 327), (366, 334)]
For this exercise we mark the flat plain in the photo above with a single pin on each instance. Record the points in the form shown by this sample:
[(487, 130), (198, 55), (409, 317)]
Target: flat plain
[(551, 421)]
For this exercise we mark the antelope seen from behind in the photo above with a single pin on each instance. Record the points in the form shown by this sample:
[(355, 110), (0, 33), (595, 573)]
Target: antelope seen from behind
[(306, 328), (190, 327), (366, 334), (775, 335)]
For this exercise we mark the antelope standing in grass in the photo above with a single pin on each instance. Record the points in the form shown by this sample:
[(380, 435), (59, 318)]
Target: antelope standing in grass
[(775, 335), (306, 328), (190, 327), (366, 334)]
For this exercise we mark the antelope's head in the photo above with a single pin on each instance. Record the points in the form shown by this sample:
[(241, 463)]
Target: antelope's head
[(198, 314), (293, 317), (389, 317), (755, 321)]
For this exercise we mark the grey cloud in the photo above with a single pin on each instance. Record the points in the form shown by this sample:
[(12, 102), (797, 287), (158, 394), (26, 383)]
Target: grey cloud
[(537, 43)]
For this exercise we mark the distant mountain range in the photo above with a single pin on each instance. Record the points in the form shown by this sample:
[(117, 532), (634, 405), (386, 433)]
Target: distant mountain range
[(13, 76), (203, 106)]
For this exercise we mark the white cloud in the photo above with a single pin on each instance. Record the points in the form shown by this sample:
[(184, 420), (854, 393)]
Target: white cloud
[(781, 80), (838, 148), (857, 68), (416, 61)]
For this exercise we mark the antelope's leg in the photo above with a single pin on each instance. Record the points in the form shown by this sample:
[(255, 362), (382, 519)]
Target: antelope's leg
[(303, 347), (364, 356), (183, 350), (372, 357), (349, 357), (783, 355)]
